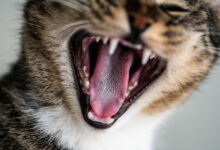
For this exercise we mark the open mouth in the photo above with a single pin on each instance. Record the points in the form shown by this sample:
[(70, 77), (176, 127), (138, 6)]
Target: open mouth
[(111, 74)]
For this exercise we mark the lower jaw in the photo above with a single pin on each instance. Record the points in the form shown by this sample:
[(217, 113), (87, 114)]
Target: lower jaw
[(86, 108), (155, 72)]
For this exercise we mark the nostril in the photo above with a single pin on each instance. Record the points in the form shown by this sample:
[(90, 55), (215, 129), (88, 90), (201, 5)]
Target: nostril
[(139, 21), (138, 24), (134, 36)]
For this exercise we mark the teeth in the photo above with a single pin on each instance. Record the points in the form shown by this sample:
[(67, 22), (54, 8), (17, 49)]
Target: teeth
[(91, 115), (85, 71), (113, 46), (132, 86), (87, 84), (146, 56), (105, 40), (109, 120), (139, 47), (98, 38), (127, 94)]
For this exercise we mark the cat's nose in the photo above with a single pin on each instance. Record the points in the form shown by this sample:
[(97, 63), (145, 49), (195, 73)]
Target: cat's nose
[(139, 21), (138, 24)]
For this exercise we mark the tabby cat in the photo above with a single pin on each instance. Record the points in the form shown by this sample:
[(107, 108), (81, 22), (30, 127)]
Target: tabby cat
[(102, 74)]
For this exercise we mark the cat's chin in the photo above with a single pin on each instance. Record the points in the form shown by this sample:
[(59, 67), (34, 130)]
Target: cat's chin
[(111, 74)]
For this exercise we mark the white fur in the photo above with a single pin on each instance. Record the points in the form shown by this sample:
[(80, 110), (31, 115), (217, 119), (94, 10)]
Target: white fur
[(59, 124)]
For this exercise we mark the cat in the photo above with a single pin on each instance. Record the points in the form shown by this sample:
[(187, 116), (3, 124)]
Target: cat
[(103, 74)]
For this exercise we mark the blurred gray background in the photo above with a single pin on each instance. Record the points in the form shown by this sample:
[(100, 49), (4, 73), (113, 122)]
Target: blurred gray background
[(195, 126)]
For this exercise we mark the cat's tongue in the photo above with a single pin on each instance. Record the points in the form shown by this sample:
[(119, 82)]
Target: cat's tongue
[(109, 81)]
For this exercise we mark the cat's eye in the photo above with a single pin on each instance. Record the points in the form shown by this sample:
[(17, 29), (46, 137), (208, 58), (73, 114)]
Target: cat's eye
[(174, 10)]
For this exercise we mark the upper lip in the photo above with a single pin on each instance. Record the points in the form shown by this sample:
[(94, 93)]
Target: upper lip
[(113, 42)]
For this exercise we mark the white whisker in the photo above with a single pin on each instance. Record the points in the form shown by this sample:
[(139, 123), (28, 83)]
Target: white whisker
[(32, 24), (73, 4), (72, 25)]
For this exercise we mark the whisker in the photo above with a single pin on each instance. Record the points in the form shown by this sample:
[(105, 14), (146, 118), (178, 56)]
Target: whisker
[(76, 5), (32, 24), (72, 25)]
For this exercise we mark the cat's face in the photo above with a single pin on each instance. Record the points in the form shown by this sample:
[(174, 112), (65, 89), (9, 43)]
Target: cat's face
[(105, 60)]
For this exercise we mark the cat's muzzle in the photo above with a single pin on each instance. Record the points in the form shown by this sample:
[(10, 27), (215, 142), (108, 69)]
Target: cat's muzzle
[(112, 73)]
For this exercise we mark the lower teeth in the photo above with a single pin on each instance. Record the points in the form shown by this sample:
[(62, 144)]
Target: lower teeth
[(93, 117), (87, 84), (132, 86)]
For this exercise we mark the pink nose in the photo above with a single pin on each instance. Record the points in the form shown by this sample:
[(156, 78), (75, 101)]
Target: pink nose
[(139, 21)]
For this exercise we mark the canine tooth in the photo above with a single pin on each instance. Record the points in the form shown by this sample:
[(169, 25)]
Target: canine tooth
[(91, 115), (113, 46), (146, 56), (109, 120), (98, 38), (105, 40)]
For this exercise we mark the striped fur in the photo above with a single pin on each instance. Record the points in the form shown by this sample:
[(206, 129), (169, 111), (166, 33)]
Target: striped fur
[(39, 106)]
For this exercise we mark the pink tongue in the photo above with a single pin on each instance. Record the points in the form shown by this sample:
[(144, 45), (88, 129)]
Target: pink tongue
[(109, 82)]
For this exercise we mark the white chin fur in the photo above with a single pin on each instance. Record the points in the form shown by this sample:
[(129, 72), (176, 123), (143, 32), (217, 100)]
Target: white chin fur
[(78, 135)]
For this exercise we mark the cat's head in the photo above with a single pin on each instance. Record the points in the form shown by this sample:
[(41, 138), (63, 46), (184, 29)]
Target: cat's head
[(106, 61)]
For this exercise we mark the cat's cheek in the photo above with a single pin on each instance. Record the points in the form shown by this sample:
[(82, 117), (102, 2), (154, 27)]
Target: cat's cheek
[(152, 37), (158, 38)]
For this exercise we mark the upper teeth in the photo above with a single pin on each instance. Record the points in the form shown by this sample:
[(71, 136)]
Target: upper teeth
[(105, 40), (147, 54), (113, 46), (98, 39)]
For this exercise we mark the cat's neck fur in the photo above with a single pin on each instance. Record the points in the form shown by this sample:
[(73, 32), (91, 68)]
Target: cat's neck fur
[(57, 122)]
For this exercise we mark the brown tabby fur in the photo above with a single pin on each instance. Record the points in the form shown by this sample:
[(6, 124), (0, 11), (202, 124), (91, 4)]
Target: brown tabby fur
[(42, 77)]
